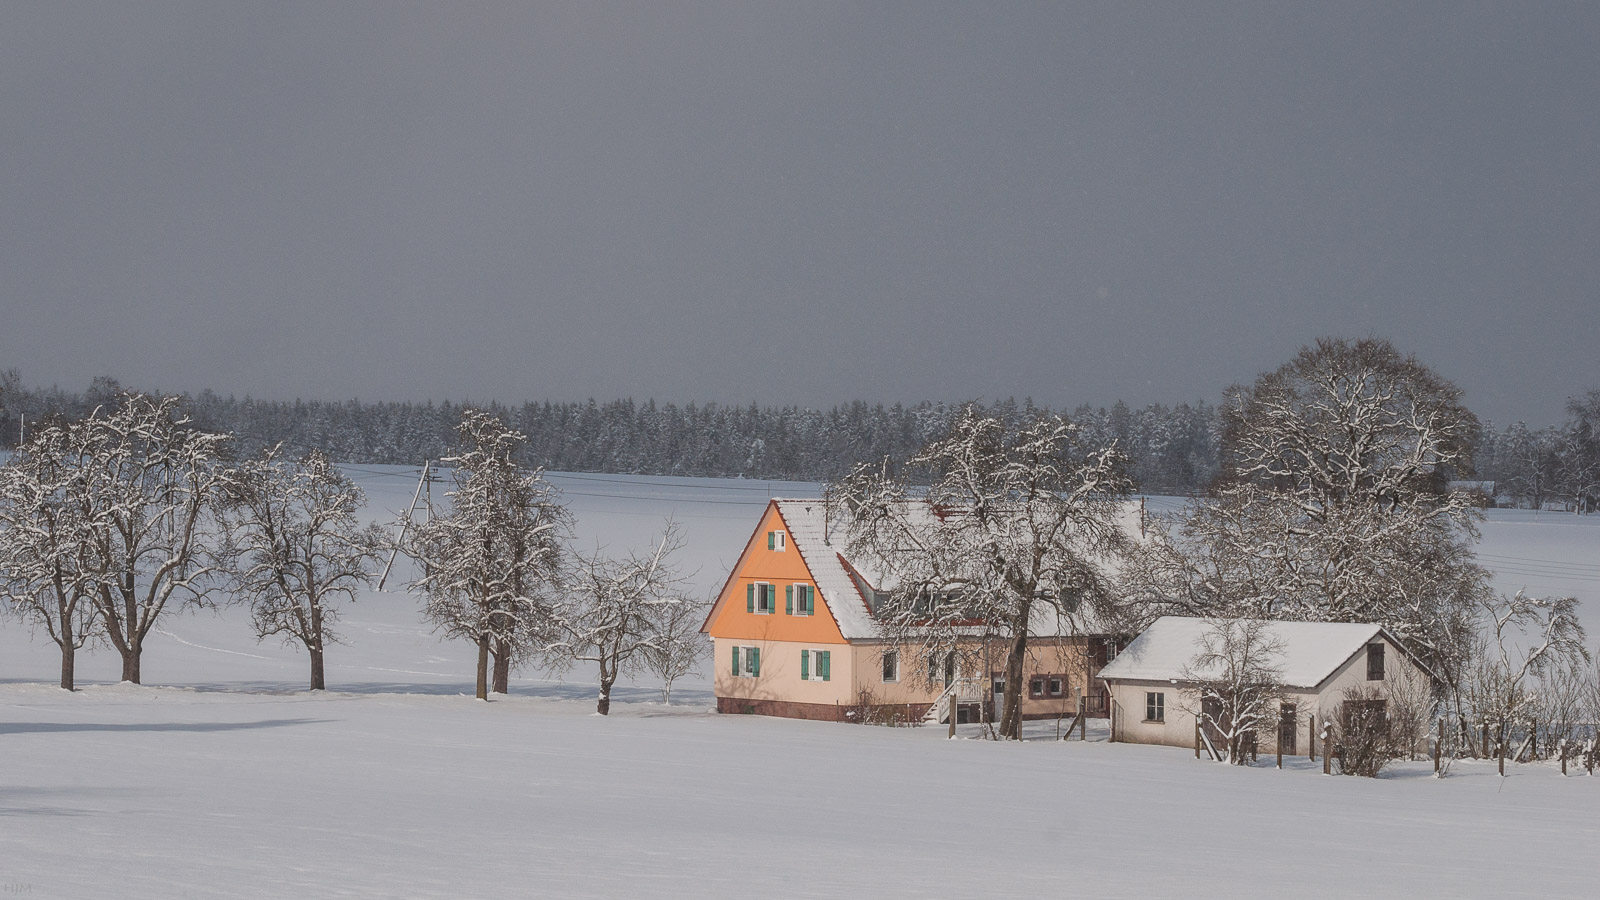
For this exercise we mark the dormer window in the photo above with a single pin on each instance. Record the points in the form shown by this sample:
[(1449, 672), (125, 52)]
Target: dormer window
[(776, 541)]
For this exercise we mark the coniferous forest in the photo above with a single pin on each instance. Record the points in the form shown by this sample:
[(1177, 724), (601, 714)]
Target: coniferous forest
[(1172, 449)]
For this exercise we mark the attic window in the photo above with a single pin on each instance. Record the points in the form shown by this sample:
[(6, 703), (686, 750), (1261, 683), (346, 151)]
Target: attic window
[(1374, 662), (776, 541)]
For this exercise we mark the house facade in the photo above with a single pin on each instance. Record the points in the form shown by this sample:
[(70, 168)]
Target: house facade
[(1155, 691), (794, 635)]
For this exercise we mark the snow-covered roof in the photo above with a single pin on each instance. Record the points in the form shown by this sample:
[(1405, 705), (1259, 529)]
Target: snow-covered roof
[(823, 547), (1311, 650), (807, 528)]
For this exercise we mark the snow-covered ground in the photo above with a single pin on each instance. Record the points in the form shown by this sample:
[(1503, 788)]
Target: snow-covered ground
[(221, 778)]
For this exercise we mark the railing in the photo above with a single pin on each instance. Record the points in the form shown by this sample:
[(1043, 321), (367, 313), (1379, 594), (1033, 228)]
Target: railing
[(961, 690)]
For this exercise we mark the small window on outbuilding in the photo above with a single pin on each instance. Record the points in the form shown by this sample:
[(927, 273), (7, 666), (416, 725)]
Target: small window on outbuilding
[(1374, 662), (1155, 706)]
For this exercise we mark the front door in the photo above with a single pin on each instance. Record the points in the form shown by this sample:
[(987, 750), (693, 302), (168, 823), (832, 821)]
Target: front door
[(1288, 729), (1211, 718)]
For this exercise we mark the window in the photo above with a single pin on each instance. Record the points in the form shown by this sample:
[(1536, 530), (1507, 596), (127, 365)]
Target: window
[(800, 600), (776, 541), (1364, 717), (814, 665), (948, 677), (1374, 662), (1042, 686), (746, 662), (891, 666), (1155, 706), (761, 598)]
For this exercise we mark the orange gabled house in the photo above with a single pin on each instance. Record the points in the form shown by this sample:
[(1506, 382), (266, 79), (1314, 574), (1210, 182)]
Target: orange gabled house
[(793, 635)]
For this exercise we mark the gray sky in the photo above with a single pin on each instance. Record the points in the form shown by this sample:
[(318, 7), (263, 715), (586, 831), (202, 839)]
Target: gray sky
[(796, 203)]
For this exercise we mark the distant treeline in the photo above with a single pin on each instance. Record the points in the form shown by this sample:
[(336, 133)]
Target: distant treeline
[(1173, 449)]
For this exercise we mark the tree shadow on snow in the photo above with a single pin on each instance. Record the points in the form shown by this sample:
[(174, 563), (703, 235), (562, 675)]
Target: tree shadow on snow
[(55, 727), (10, 795)]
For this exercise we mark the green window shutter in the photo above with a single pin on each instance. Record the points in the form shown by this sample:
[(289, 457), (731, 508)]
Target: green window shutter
[(811, 600), (823, 658), (772, 540), (750, 598), (805, 665), (755, 661), (735, 662), (788, 600)]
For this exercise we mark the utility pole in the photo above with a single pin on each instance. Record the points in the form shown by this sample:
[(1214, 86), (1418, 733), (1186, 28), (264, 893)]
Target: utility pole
[(425, 482)]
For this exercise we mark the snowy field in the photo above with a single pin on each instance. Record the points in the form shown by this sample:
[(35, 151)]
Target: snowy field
[(222, 778)]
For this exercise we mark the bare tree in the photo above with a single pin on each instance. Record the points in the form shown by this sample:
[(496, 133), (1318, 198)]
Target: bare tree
[(1238, 671), (1011, 534), (1589, 753), (146, 488), (681, 648), (1578, 453), (492, 564), (44, 544), (1412, 705), (1528, 637), (1364, 739), (1333, 506), (295, 547), (1535, 462), (615, 612), (1560, 714)]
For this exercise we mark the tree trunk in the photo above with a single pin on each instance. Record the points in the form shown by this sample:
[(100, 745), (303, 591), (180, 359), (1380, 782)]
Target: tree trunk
[(69, 652), (68, 664), (130, 661), (603, 705), (314, 647), (318, 682), (483, 667), (1011, 717), (502, 666)]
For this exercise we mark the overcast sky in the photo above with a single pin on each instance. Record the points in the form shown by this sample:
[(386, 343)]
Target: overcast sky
[(797, 203)]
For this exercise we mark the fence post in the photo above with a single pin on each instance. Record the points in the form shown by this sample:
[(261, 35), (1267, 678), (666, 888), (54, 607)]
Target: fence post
[(1311, 739), (1197, 737), (1083, 716), (1327, 751), (1438, 746)]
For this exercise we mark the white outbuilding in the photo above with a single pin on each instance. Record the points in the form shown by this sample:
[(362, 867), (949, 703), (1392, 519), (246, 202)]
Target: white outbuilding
[(1154, 684)]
